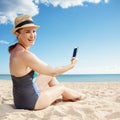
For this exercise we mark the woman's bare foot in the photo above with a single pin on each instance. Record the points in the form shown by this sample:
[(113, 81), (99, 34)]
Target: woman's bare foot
[(72, 95), (81, 97)]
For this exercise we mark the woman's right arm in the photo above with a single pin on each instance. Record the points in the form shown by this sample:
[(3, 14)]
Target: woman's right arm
[(41, 67)]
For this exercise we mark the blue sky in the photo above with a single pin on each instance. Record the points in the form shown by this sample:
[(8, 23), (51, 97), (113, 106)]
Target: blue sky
[(93, 25)]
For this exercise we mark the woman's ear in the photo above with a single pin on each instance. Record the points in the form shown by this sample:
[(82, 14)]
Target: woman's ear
[(17, 33)]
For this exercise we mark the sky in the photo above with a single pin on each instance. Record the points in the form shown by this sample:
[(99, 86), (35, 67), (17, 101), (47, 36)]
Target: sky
[(91, 25)]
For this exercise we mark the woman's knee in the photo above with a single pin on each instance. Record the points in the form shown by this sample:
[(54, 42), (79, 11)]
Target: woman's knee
[(44, 78), (53, 81)]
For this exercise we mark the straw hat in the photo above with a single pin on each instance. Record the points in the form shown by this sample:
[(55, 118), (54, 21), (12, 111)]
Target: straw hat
[(23, 21)]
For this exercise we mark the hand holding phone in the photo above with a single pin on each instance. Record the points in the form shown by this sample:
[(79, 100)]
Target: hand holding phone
[(75, 52)]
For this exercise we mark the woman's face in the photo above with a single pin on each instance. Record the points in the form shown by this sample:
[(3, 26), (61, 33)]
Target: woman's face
[(27, 36)]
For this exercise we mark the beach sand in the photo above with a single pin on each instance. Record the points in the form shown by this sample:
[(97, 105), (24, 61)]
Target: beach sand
[(102, 103)]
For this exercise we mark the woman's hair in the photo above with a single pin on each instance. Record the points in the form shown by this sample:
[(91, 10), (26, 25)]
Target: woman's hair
[(10, 48)]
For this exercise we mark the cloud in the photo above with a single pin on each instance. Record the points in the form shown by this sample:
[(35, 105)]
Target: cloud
[(69, 3), (106, 1), (4, 42), (10, 9)]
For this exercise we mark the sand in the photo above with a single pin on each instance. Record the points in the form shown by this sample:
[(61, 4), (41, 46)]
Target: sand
[(102, 103)]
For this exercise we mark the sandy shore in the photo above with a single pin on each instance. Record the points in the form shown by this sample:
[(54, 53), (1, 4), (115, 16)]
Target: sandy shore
[(102, 103)]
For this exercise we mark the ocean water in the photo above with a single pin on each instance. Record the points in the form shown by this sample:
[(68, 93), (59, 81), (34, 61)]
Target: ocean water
[(5, 77), (90, 78), (79, 77)]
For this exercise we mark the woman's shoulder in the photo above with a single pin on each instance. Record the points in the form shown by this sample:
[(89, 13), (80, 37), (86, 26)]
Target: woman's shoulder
[(27, 55), (21, 54)]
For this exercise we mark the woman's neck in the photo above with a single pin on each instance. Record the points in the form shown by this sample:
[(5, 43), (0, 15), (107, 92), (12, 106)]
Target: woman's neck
[(22, 45)]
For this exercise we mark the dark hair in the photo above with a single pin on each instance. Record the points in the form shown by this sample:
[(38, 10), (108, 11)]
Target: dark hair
[(10, 48)]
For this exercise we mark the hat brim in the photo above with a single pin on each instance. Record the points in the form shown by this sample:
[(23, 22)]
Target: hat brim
[(25, 26)]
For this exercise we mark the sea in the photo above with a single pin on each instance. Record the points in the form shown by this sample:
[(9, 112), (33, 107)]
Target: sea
[(79, 77)]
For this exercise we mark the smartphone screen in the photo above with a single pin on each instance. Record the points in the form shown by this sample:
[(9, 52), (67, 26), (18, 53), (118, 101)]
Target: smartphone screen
[(75, 51)]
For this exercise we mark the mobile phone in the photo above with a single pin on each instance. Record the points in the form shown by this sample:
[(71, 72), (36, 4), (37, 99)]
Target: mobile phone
[(75, 52)]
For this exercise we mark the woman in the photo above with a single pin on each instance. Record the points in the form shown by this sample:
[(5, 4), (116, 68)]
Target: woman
[(23, 64)]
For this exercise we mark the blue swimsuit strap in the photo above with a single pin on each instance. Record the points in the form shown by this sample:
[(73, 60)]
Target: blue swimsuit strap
[(34, 76)]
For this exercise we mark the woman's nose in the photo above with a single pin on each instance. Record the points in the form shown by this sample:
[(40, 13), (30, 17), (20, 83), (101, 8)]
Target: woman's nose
[(32, 35)]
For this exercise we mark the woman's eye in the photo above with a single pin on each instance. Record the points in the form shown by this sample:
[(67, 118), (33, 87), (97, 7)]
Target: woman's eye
[(31, 31), (27, 32), (34, 31)]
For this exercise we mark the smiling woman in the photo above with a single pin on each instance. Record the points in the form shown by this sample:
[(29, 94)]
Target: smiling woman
[(27, 23), (38, 93)]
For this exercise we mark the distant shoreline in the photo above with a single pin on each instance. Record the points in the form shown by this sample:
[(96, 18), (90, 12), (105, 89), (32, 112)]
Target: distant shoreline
[(80, 77)]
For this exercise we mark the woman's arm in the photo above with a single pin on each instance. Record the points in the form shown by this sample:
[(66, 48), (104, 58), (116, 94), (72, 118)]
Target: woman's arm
[(41, 67)]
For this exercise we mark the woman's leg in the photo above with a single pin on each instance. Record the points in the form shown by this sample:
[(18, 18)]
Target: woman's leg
[(47, 97), (44, 82), (69, 94), (53, 81)]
